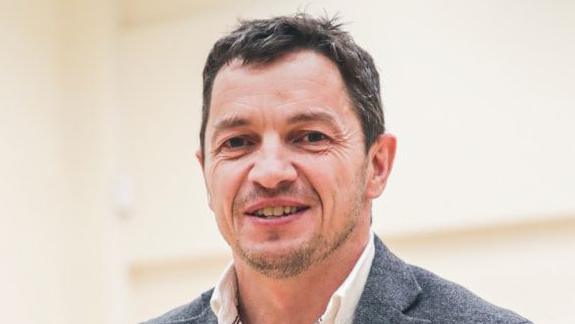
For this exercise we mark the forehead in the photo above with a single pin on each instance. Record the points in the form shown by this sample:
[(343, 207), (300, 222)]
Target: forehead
[(299, 80)]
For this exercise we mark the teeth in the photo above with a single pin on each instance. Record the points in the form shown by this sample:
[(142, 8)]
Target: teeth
[(278, 211), (275, 211)]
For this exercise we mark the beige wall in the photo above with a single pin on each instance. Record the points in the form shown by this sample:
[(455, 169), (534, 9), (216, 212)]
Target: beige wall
[(54, 211), (34, 183), (102, 205)]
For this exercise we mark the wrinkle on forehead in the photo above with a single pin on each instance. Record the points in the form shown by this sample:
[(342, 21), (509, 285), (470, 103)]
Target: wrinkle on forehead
[(301, 67), (304, 59), (301, 82)]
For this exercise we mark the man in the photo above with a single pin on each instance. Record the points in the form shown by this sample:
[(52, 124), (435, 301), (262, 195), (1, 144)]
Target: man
[(294, 150)]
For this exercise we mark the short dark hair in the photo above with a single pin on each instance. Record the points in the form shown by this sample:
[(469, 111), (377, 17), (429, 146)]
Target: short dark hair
[(261, 41)]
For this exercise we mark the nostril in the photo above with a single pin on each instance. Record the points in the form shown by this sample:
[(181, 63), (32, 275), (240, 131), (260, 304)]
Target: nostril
[(271, 173)]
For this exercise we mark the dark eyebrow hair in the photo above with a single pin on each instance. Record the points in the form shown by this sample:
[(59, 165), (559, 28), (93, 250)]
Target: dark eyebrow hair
[(230, 122), (313, 116)]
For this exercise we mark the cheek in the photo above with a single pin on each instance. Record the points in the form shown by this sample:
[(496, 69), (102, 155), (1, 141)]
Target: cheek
[(335, 178), (225, 179), (323, 175), (331, 171)]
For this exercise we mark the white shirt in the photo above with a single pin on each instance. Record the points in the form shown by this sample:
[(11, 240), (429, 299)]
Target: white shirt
[(339, 310)]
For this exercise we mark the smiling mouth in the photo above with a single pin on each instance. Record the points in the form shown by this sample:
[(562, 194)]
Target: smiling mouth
[(278, 211)]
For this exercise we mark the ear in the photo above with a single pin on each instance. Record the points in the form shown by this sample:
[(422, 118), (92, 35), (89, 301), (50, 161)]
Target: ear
[(200, 157), (380, 161)]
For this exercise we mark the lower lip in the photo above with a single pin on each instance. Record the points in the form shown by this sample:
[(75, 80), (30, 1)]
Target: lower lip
[(276, 221)]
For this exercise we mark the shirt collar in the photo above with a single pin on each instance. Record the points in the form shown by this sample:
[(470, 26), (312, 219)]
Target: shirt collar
[(342, 304), (340, 308), (224, 301)]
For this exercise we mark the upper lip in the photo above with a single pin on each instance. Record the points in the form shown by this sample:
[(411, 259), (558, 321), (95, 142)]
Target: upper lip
[(272, 202)]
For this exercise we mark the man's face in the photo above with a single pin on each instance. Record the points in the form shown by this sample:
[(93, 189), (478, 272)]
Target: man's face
[(284, 163)]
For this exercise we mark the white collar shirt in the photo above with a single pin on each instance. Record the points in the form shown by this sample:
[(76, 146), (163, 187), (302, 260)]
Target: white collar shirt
[(340, 308)]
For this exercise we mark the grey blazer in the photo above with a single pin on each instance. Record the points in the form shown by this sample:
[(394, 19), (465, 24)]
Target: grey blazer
[(395, 293)]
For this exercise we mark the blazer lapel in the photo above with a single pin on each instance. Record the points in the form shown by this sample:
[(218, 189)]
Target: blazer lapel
[(390, 289), (207, 317)]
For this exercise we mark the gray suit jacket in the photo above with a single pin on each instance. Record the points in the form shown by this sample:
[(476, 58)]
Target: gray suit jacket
[(395, 293)]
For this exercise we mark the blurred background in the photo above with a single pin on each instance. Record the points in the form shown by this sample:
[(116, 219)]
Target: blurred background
[(103, 212)]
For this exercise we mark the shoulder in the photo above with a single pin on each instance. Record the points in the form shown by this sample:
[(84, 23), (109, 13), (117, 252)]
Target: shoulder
[(198, 311), (447, 302), (398, 292)]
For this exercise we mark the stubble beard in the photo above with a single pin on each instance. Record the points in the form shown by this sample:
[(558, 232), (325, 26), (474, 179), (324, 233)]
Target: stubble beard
[(293, 262)]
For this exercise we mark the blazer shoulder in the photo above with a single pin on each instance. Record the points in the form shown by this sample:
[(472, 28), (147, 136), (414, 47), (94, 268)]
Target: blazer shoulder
[(197, 311), (448, 302)]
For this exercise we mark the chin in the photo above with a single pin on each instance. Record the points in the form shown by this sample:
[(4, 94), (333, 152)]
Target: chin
[(281, 258)]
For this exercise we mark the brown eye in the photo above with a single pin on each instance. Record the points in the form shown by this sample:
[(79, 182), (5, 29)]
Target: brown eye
[(314, 137), (312, 140), (236, 142)]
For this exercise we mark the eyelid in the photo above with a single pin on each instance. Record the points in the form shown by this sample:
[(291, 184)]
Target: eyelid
[(300, 135), (223, 145), (241, 137)]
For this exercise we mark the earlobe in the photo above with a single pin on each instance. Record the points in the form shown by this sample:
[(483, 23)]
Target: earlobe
[(200, 158), (381, 156)]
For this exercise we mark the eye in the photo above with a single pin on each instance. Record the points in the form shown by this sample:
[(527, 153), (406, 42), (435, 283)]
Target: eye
[(311, 138), (314, 137), (237, 142)]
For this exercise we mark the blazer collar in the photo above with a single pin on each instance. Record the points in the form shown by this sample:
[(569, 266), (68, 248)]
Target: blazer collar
[(391, 289), (207, 317)]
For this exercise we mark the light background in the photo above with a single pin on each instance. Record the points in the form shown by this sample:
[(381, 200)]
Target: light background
[(103, 215)]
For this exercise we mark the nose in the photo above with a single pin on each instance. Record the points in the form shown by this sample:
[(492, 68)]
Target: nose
[(273, 167)]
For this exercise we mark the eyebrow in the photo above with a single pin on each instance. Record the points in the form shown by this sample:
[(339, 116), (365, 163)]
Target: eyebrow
[(314, 116), (230, 122)]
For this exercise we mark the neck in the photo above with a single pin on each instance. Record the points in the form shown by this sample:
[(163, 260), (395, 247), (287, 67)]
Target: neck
[(302, 298)]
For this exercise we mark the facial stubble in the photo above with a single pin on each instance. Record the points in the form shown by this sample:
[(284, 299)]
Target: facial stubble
[(293, 262)]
